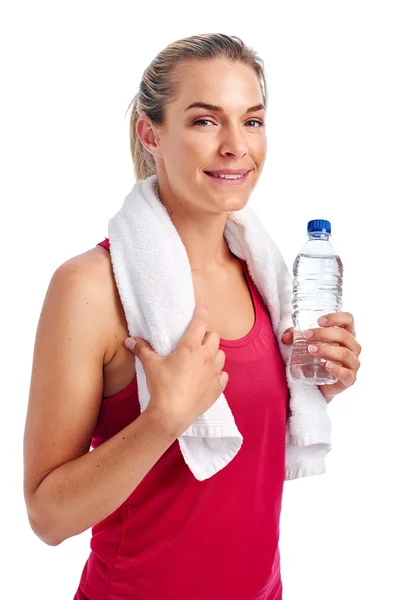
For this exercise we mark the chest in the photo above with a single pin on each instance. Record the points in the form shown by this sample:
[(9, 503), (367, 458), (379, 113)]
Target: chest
[(231, 314), (227, 296)]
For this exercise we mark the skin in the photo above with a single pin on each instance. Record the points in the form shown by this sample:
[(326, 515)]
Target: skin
[(183, 150), (339, 328)]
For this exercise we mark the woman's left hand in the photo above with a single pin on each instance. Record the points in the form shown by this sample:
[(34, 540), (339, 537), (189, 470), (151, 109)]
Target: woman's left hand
[(339, 328)]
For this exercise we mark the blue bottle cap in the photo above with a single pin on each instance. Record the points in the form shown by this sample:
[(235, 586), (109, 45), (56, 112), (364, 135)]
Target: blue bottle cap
[(319, 225)]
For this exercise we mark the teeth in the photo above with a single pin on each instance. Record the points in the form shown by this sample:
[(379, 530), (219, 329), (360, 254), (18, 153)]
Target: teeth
[(223, 176)]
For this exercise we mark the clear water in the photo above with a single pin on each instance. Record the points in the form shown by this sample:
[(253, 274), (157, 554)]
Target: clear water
[(317, 290)]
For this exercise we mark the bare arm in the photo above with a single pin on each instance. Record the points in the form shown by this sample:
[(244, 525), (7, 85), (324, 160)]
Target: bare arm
[(67, 488), (82, 492)]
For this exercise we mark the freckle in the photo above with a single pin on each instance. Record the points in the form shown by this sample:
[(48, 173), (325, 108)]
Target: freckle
[(123, 438), (54, 443), (97, 465)]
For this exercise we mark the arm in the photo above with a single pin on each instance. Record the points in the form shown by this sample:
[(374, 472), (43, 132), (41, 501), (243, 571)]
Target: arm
[(68, 489)]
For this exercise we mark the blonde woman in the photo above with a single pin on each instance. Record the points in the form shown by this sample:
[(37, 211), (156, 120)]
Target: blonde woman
[(158, 532)]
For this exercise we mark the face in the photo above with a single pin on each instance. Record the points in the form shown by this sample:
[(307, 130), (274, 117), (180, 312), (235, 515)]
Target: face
[(195, 141)]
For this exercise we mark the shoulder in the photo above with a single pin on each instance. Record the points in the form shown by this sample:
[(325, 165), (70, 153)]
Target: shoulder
[(90, 271), (88, 279)]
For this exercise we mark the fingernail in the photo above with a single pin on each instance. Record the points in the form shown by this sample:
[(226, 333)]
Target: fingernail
[(322, 321), (312, 348), (130, 343), (309, 333)]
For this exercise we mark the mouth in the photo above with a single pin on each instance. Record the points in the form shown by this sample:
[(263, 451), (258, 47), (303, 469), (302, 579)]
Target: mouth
[(229, 180)]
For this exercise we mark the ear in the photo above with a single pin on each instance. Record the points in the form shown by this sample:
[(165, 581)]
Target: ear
[(146, 133)]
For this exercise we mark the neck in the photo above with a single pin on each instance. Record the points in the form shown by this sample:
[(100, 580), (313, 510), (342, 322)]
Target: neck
[(201, 232)]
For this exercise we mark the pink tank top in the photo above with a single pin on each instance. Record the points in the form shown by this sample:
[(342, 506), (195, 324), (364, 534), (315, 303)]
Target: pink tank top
[(177, 538)]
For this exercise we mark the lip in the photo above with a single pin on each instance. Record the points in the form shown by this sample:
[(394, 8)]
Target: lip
[(229, 171), (228, 182)]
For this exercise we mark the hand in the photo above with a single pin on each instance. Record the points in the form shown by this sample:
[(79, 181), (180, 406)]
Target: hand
[(338, 328), (188, 381)]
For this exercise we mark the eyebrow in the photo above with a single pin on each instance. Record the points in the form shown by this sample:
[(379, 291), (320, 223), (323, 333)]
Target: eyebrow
[(218, 109)]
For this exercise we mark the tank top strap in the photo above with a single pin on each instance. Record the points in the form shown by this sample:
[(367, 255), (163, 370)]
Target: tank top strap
[(105, 243)]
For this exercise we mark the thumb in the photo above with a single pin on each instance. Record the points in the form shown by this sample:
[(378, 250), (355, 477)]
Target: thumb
[(287, 332), (139, 347)]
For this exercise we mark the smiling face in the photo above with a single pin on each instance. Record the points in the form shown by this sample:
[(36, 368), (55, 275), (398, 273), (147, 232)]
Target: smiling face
[(226, 131)]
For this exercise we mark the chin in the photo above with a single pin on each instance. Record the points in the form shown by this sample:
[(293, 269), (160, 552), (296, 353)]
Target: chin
[(231, 203)]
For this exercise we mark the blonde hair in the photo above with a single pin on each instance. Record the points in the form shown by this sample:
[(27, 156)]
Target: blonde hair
[(158, 84)]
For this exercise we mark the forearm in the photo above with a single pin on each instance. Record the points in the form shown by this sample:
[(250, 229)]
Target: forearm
[(82, 492)]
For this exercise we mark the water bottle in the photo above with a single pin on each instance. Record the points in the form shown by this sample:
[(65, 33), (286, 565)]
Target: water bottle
[(317, 290)]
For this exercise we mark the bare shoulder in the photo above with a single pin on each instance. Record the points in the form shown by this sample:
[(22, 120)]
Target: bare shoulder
[(92, 271), (118, 362), (74, 340)]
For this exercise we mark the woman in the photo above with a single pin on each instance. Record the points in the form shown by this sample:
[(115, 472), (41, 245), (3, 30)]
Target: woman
[(157, 531)]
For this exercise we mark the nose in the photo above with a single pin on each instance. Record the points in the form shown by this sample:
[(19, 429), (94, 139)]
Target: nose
[(233, 142)]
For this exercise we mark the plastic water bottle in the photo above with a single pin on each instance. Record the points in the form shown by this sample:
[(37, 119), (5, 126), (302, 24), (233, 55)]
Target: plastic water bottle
[(317, 291)]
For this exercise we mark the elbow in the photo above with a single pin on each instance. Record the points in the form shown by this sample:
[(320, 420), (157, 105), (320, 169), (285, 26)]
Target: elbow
[(43, 526), (50, 541), (44, 533)]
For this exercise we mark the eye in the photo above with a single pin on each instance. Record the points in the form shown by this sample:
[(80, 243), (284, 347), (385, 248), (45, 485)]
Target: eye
[(261, 123), (202, 121)]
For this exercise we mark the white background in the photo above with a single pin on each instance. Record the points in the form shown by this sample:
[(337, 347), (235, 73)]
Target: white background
[(69, 71)]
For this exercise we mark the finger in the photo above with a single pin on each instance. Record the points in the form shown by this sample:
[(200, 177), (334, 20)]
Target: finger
[(141, 349), (287, 338), (197, 327), (345, 356), (333, 335), (212, 339), (288, 332), (339, 319), (346, 377)]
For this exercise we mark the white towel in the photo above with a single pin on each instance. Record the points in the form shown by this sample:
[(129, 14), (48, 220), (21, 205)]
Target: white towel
[(153, 276)]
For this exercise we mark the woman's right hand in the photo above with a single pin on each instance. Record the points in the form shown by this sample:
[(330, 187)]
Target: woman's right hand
[(184, 384)]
